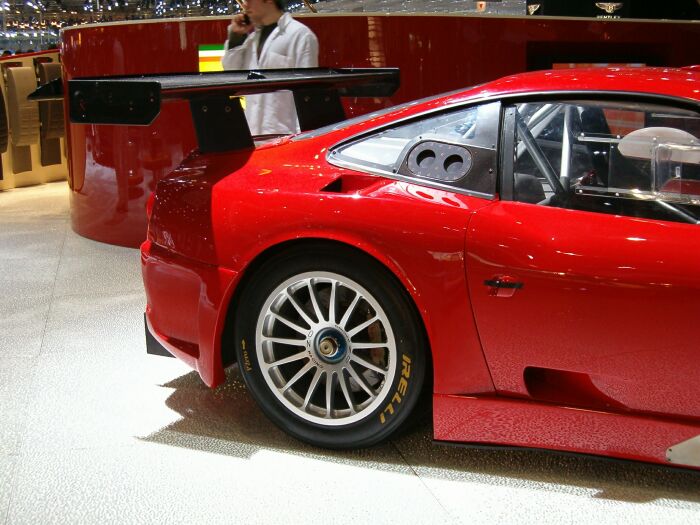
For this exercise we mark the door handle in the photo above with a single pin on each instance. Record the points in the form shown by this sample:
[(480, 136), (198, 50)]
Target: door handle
[(503, 286), (501, 283)]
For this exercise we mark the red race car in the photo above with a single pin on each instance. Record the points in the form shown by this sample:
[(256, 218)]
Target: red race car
[(526, 252)]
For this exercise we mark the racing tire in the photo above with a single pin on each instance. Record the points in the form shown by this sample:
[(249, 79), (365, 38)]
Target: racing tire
[(330, 346)]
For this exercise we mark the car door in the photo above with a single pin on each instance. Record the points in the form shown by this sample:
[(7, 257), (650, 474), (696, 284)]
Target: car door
[(585, 276)]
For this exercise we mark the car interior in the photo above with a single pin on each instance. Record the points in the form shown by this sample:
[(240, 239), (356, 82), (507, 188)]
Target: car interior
[(636, 159)]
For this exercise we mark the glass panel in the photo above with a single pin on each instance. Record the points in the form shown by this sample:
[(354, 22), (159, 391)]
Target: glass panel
[(677, 171), (383, 150), (466, 138), (567, 153)]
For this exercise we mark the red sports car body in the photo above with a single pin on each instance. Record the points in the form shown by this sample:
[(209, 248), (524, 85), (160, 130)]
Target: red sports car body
[(527, 251)]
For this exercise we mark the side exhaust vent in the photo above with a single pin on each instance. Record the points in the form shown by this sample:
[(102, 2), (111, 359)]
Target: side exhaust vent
[(566, 388)]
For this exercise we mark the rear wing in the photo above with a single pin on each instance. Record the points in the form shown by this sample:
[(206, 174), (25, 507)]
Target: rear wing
[(218, 118)]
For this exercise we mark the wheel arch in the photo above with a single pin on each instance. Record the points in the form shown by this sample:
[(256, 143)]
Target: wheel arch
[(393, 270)]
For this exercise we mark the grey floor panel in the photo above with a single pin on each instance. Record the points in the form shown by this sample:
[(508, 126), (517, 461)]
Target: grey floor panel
[(109, 271), (7, 467), (22, 241), (567, 497), (15, 395), (15, 346), (96, 400), (45, 203), (269, 487), (76, 245), (22, 323), (93, 430), (98, 324), (28, 277)]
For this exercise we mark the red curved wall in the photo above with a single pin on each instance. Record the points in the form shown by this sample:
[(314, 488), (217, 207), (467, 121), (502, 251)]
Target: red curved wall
[(113, 168)]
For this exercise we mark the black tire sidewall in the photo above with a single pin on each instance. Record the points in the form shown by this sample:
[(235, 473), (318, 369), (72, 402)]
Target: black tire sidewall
[(393, 412)]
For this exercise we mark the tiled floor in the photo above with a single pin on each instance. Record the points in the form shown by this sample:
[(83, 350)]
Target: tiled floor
[(93, 430)]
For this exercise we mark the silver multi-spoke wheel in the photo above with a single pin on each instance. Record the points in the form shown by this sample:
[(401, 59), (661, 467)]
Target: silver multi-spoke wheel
[(325, 348), (330, 345)]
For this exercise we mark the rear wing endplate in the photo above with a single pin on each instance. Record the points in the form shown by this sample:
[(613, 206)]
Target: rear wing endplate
[(218, 118)]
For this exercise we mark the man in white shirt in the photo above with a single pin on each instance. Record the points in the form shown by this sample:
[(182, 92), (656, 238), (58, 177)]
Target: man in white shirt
[(266, 37)]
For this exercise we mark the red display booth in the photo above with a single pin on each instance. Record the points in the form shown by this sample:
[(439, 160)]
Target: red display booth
[(112, 169)]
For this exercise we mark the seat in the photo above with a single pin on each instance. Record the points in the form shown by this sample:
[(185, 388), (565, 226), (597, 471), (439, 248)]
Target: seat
[(528, 188)]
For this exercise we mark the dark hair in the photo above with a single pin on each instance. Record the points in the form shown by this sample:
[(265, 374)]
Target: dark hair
[(281, 4)]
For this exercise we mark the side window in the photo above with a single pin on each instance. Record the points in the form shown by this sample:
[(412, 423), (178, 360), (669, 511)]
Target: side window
[(634, 159), (455, 149)]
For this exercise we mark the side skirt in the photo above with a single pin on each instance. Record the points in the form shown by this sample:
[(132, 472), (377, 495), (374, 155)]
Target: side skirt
[(528, 424)]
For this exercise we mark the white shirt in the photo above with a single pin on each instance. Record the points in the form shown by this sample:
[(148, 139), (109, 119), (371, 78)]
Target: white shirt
[(290, 45)]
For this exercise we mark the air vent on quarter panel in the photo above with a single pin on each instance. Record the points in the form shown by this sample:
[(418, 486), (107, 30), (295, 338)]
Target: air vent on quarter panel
[(334, 187), (350, 183)]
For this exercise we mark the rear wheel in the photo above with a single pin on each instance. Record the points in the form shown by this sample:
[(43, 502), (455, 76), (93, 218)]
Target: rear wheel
[(330, 347)]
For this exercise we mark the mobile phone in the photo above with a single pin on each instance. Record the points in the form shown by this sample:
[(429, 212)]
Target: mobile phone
[(246, 19)]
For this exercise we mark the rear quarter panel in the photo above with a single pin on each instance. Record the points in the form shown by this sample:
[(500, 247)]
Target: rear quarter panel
[(416, 232)]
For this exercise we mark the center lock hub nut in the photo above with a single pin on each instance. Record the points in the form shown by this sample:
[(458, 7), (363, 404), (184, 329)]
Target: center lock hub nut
[(330, 345)]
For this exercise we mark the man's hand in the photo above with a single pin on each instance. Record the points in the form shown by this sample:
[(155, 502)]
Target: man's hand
[(240, 25)]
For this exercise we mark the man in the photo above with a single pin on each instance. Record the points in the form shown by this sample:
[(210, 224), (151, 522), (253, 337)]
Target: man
[(266, 37)]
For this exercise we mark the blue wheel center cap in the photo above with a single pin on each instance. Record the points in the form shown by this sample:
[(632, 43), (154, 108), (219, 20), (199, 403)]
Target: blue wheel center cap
[(330, 345)]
